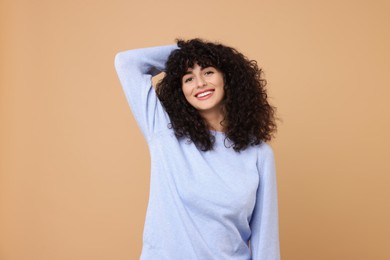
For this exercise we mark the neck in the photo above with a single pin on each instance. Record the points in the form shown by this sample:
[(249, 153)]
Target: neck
[(214, 120)]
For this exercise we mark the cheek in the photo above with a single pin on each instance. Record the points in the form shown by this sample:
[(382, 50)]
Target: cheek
[(223, 94), (222, 80), (186, 92), (221, 84)]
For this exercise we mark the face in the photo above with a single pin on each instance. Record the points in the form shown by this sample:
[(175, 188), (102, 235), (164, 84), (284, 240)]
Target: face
[(203, 89)]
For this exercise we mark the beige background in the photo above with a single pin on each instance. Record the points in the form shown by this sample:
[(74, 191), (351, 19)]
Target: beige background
[(75, 169)]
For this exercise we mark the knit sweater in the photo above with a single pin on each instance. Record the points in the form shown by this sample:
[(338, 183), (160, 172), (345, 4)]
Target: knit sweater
[(219, 204)]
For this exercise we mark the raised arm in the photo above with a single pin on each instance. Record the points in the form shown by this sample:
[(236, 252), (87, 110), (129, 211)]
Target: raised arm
[(264, 224), (135, 69)]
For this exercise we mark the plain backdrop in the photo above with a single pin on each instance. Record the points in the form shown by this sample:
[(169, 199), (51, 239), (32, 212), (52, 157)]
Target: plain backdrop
[(75, 168)]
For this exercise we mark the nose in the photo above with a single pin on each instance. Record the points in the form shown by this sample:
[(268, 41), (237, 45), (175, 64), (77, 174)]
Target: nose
[(201, 82)]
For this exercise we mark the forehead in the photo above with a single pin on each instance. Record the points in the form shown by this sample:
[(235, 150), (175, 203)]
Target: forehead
[(197, 67), (203, 62)]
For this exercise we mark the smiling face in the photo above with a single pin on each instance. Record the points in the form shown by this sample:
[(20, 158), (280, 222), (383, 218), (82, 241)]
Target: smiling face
[(203, 88)]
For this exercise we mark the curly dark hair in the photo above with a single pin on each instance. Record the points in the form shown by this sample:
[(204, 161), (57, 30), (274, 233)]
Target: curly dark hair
[(248, 117)]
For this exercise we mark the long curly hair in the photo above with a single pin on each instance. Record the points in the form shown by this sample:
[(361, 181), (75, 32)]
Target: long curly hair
[(248, 117)]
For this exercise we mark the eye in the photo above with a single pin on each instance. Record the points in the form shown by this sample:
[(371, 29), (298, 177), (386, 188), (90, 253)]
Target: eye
[(209, 72), (188, 80)]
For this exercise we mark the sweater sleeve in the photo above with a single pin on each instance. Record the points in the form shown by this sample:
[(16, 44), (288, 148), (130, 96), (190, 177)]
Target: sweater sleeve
[(264, 241), (135, 70)]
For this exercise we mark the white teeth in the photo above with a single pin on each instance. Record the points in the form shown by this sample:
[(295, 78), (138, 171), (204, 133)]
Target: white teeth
[(204, 94)]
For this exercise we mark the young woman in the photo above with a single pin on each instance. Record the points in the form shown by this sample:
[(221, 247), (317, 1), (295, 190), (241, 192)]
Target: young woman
[(213, 185)]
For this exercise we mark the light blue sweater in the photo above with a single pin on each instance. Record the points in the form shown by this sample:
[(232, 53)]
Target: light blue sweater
[(202, 205)]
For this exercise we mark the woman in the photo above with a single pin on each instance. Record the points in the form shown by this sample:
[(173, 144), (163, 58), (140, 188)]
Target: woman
[(213, 185)]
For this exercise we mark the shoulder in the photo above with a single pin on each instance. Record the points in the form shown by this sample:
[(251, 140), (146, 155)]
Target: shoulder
[(265, 150), (265, 155)]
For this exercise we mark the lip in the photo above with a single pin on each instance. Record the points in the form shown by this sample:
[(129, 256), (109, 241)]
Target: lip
[(203, 91)]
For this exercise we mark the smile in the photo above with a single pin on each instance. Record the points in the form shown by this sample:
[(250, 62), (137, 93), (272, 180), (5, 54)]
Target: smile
[(204, 94)]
